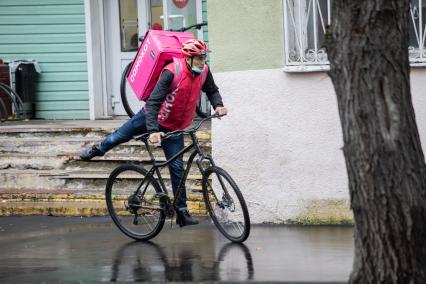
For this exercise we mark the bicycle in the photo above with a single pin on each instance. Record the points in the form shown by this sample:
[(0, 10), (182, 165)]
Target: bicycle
[(139, 203), (124, 88)]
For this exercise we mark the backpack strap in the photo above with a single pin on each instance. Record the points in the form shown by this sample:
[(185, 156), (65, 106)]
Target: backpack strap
[(204, 74), (178, 71)]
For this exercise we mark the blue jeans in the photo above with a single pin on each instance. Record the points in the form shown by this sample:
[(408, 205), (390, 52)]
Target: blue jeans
[(136, 126)]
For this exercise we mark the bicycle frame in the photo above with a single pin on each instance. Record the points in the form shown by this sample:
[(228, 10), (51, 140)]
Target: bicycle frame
[(157, 166)]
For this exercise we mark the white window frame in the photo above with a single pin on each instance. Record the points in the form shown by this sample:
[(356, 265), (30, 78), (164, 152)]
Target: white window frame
[(300, 58), (199, 16), (417, 54)]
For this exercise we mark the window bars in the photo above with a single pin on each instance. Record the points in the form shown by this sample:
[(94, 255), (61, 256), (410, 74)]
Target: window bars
[(416, 49), (305, 23)]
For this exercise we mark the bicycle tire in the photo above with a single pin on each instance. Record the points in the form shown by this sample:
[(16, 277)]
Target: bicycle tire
[(122, 215), (225, 206), (123, 92), (125, 100)]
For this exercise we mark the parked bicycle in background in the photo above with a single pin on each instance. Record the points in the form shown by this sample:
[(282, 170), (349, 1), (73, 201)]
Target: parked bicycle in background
[(132, 106)]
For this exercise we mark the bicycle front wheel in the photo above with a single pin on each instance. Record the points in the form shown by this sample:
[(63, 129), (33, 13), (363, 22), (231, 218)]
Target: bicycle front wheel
[(133, 202), (226, 204)]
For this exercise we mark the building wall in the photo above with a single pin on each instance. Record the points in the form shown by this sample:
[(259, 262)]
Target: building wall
[(282, 139), (245, 34), (53, 33)]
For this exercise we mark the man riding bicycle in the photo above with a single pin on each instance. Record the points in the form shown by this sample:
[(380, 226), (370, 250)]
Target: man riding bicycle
[(171, 106)]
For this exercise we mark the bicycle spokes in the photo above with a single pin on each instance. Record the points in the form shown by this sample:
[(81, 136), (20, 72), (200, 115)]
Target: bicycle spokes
[(134, 205), (226, 205)]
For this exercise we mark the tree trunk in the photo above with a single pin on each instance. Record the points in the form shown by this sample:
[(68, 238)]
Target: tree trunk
[(368, 53)]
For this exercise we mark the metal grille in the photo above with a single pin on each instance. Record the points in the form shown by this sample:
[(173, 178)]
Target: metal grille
[(416, 49), (305, 23)]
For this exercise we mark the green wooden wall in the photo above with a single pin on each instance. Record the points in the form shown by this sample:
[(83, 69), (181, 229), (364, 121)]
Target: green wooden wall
[(53, 33)]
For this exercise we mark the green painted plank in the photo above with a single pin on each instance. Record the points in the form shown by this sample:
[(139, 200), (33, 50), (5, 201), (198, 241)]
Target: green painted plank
[(62, 96), (43, 38), (64, 67), (44, 10), (43, 48), (63, 77), (57, 57), (38, 2), (62, 105), (42, 29), (61, 86), (53, 33), (61, 114), (50, 19)]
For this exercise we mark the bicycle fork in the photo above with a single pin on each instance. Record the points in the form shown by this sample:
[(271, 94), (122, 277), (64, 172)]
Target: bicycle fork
[(226, 200)]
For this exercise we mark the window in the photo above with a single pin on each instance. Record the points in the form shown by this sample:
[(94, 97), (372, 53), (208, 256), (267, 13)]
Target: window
[(416, 49), (128, 25), (180, 13), (305, 23)]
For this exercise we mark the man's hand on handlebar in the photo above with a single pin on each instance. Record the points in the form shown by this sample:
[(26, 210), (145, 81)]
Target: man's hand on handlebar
[(155, 137), (221, 111)]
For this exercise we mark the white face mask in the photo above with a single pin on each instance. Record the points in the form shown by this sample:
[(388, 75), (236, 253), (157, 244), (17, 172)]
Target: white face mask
[(196, 70)]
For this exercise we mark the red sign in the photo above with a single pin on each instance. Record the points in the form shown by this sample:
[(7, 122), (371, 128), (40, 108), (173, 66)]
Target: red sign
[(180, 3)]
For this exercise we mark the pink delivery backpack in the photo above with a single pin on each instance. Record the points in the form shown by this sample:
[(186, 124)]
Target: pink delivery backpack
[(157, 50)]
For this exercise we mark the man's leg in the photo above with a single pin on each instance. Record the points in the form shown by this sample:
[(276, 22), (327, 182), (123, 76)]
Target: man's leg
[(132, 127), (171, 147)]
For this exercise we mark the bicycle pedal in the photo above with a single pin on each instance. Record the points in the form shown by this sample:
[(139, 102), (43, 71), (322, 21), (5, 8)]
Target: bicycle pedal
[(135, 220)]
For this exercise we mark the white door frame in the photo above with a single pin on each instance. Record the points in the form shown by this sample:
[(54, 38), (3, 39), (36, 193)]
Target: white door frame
[(95, 46), (117, 59)]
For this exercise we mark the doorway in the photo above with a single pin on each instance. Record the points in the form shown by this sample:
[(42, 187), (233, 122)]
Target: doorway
[(126, 21)]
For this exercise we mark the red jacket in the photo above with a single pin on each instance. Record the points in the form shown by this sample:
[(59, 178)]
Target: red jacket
[(178, 109)]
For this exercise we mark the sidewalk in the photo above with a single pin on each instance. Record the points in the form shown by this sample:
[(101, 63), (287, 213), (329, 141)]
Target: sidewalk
[(93, 249)]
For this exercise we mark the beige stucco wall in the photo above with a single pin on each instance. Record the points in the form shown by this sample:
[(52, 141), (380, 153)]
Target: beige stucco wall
[(282, 143), (282, 138), (245, 34)]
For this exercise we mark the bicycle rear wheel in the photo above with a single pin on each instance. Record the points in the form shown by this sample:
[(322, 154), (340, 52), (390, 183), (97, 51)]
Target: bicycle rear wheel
[(133, 202), (131, 103), (226, 204)]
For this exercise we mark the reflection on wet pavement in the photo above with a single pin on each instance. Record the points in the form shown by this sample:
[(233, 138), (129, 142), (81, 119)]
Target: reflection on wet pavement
[(92, 249)]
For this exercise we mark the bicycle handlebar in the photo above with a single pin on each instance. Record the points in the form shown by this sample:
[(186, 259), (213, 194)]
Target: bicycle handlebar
[(197, 26), (180, 132)]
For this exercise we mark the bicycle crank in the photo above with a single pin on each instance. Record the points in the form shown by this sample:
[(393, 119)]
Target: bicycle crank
[(165, 204)]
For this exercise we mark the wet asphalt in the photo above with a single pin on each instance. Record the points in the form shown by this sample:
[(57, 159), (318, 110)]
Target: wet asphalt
[(42, 249)]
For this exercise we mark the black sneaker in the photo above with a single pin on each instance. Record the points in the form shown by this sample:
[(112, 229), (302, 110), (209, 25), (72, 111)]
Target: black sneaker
[(88, 153), (184, 219)]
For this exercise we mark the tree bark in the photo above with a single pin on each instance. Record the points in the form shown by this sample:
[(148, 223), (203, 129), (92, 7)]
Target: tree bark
[(367, 46)]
